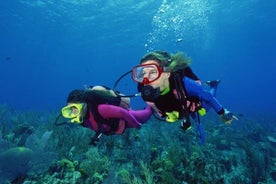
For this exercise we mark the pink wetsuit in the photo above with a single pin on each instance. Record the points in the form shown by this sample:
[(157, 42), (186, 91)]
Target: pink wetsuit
[(127, 118)]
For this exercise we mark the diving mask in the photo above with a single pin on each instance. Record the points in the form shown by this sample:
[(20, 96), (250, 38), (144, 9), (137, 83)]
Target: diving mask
[(73, 111), (147, 73)]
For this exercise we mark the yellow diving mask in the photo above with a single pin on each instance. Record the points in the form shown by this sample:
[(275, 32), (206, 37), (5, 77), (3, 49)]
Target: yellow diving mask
[(73, 111)]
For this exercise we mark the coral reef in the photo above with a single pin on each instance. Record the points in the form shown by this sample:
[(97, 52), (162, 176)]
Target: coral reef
[(15, 162), (33, 150)]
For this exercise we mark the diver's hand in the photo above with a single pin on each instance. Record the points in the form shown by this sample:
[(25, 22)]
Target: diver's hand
[(227, 117), (95, 139)]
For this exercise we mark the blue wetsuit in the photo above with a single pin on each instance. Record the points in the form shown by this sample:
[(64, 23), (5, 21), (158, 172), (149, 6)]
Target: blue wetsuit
[(195, 89), (208, 99)]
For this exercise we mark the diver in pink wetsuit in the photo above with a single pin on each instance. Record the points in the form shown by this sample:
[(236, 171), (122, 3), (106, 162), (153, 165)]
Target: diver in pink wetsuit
[(101, 110)]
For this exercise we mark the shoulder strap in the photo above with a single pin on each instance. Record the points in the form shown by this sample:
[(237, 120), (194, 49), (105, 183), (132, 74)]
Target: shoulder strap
[(179, 86), (94, 98)]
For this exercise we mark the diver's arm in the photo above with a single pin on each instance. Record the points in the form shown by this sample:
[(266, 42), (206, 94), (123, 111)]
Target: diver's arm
[(195, 89), (112, 111), (142, 115)]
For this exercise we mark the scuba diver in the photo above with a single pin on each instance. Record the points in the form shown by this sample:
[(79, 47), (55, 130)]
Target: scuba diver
[(170, 87), (101, 110)]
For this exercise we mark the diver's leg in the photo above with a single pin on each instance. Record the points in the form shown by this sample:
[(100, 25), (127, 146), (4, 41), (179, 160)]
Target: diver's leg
[(201, 134), (213, 85), (199, 128), (142, 115), (213, 90)]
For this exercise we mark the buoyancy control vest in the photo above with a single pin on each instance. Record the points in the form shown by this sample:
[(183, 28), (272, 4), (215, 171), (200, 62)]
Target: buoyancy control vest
[(176, 99), (94, 120)]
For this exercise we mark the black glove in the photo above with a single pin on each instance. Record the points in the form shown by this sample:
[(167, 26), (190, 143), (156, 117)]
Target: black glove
[(227, 117), (95, 139)]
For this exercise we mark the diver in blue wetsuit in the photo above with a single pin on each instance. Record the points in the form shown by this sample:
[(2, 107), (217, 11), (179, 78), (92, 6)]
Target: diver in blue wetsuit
[(169, 86)]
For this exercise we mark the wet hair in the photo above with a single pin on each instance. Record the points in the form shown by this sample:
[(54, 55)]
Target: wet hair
[(163, 58), (170, 62), (76, 96)]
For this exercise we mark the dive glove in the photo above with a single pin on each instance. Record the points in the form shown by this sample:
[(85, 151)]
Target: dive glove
[(227, 117)]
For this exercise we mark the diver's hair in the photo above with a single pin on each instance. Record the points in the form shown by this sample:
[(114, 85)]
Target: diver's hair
[(170, 62), (163, 58), (76, 96), (180, 60)]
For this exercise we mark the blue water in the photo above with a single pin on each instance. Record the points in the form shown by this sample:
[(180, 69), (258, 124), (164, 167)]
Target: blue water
[(48, 48)]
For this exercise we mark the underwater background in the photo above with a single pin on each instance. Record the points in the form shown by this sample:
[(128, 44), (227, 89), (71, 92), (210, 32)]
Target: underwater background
[(50, 47)]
